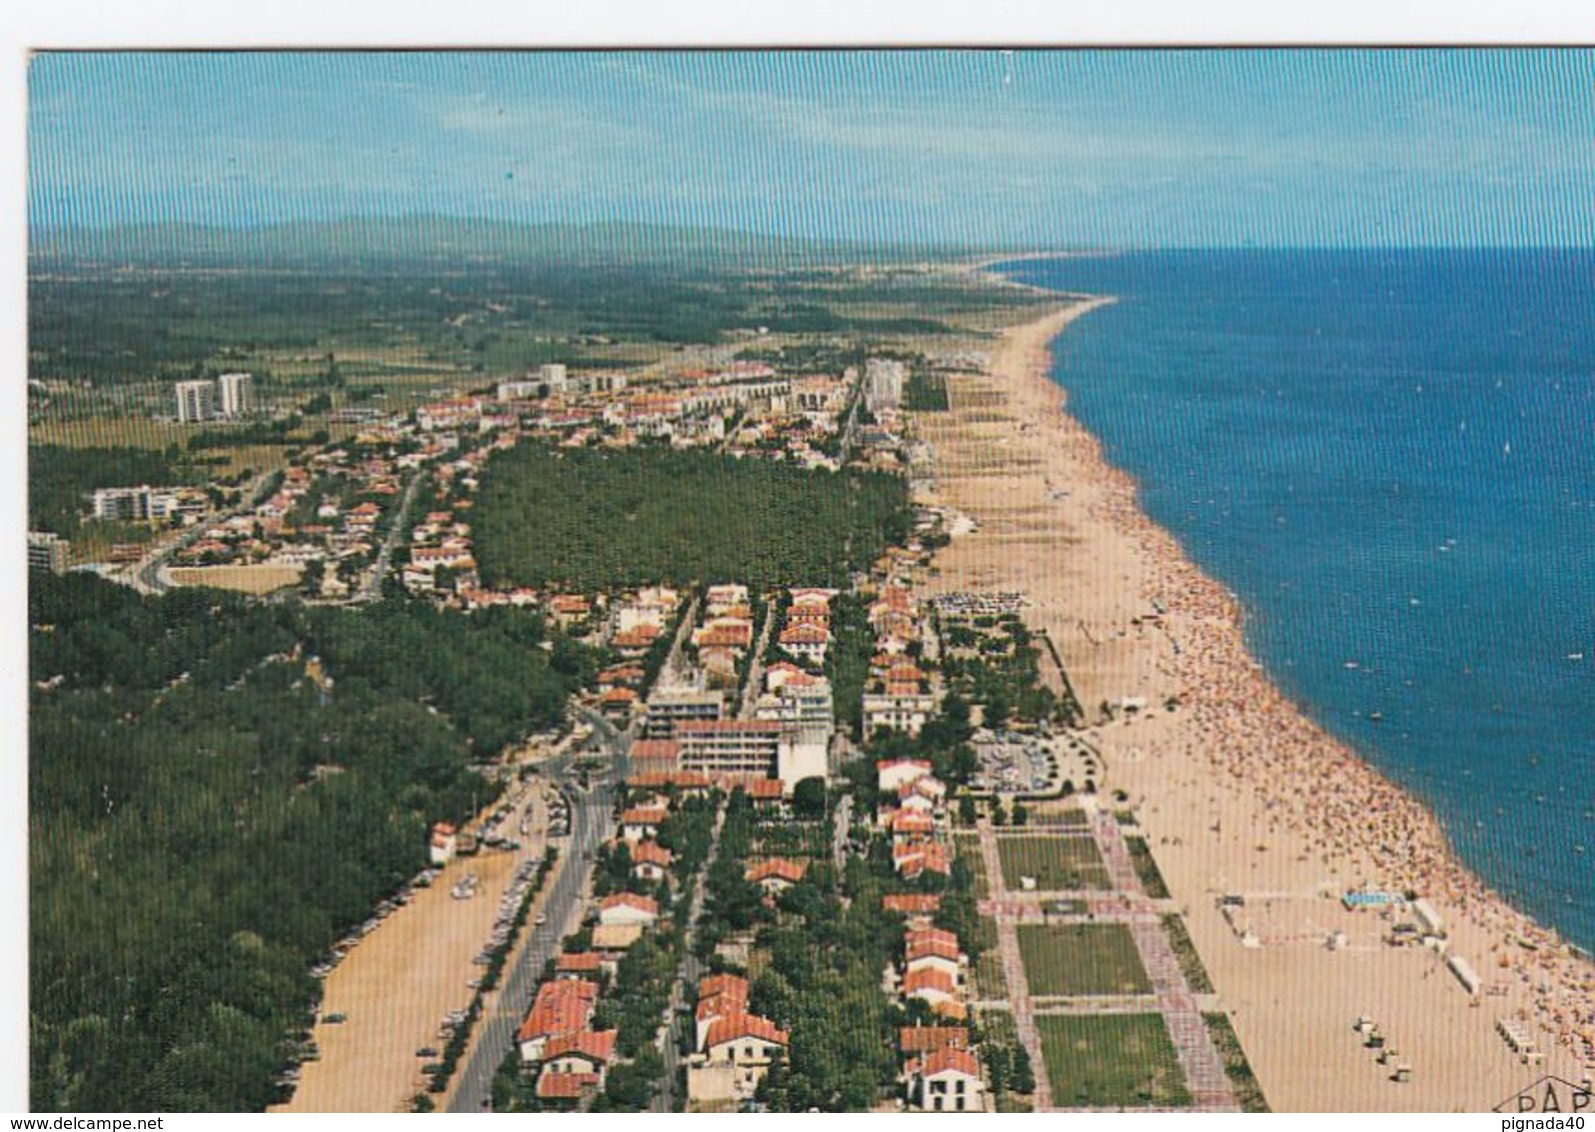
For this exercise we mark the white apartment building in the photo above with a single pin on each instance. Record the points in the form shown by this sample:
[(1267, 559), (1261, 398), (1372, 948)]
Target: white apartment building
[(237, 394), (196, 401)]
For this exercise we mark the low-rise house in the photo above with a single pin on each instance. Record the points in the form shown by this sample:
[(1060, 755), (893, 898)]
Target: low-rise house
[(642, 822), (776, 874), (912, 858), (912, 904), (617, 703), (910, 825), (901, 708), (563, 1006), (719, 996), (916, 1041), (806, 641), (578, 965), (612, 941), (581, 1052), (932, 986), (737, 1052), (650, 861), (566, 1090), (947, 1080), (892, 774), (931, 953), (628, 908)]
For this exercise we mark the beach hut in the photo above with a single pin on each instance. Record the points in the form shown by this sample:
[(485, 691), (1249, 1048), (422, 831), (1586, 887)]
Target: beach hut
[(1428, 919), (1464, 972)]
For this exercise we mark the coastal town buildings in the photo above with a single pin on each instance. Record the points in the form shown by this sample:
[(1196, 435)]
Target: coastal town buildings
[(48, 552), (196, 401)]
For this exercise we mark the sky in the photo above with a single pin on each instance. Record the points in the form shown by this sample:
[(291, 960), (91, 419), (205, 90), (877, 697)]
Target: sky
[(1032, 148)]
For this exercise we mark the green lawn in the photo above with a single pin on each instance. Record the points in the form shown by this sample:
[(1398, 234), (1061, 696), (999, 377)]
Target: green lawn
[(1146, 869), (1239, 1070), (1056, 863), (1111, 1060), (990, 982), (968, 847), (1079, 959), (1068, 816)]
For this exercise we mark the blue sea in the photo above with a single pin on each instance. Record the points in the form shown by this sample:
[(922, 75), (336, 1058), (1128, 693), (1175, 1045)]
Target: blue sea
[(1390, 457)]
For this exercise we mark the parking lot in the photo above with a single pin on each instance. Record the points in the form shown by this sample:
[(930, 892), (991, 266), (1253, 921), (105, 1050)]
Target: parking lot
[(1017, 764), (405, 978)]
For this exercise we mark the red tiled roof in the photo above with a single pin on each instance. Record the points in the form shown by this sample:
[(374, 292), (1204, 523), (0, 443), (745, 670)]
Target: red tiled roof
[(948, 1059), (778, 868), (911, 903), (651, 853), (630, 900), (930, 935), (805, 634), (582, 1043), (929, 978), (927, 1039), (931, 949), (763, 789), (655, 749), (574, 961), (907, 821), (565, 1086), (561, 1007), (735, 1026), (644, 815), (711, 985)]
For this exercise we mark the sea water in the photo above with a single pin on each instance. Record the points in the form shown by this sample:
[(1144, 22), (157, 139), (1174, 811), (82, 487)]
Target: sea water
[(1389, 456)]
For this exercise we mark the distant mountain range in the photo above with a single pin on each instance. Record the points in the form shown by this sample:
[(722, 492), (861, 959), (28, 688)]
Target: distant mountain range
[(438, 240)]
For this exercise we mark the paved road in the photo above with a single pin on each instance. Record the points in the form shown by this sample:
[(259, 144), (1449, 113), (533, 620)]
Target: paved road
[(750, 690), (148, 575), (373, 585), (691, 972), (841, 820), (592, 821)]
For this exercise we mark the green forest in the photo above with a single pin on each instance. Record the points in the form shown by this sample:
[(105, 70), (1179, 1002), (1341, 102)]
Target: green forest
[(598, 519), (206, 818), (61, 480)]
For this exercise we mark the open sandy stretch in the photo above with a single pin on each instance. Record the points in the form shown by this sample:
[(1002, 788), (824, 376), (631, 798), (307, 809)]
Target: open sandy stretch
[(1238, 790)]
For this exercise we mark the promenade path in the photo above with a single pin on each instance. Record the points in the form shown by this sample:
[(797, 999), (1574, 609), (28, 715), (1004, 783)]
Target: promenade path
[(1013, 968), (1128, 904)]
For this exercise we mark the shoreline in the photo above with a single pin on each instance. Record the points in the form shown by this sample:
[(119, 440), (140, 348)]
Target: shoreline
[(1238, 788)]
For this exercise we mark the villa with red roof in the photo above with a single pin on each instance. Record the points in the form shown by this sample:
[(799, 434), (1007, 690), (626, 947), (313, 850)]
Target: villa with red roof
[(776, 874), (946, 1080), (650, 861), (628, 908), (563, 1006)]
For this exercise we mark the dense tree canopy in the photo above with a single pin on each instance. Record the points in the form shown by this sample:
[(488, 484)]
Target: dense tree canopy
[(589, 519), (206, 816)]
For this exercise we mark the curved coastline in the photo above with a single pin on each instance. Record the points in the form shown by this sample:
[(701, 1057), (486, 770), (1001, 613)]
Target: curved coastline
[(1292, 806)]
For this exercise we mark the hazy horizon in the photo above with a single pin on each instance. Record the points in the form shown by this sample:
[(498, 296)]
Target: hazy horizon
[(964, 148)]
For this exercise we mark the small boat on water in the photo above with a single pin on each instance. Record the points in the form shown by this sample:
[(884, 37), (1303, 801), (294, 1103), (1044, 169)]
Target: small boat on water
[(1376, 716)]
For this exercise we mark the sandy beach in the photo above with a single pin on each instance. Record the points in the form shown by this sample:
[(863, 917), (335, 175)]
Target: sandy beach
[(1238, 790)]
